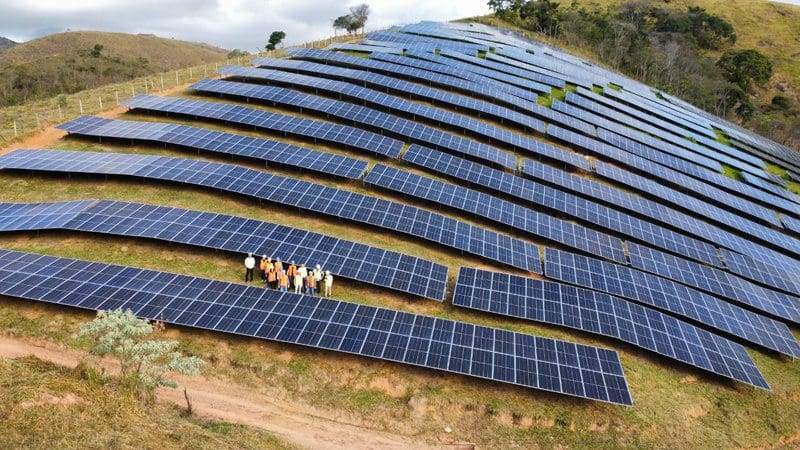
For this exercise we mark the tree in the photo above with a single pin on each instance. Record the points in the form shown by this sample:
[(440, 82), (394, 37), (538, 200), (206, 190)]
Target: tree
[(343, 23), (745, 67), (359, 15), (710, 31), (143, 362), (541, 15), (237, 53), (274, 39), (95, 51)]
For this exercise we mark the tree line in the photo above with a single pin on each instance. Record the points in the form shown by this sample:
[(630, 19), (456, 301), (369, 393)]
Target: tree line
[(669, 49)]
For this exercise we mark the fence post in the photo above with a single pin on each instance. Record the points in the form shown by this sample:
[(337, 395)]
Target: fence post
[(38, 126), (116, 94), (162, 81), (60, 114), (15, 127), (133, 90), (80, 106), (176, 78)]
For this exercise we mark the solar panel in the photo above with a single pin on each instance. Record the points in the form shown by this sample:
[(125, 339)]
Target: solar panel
[(363, 48), (450, 82), (439, 43), (791, 224), (603, 314), (716, 282), (327, 132), (440, 344), (39, 216), (289, 192), (669, 296), (498, 67), (343, 258), (760, 271), (218, 142), (361, 116), (512, 85), (561, 202), (497, 210)]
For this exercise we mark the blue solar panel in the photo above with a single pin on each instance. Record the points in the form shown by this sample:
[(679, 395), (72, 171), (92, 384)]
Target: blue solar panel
[(670, 296), (440, 344), (561, 202), (716, 282), (499, 67), (594, 312), (315, 130), (497, 210), (218, 142), (237, 234), (791, 224), (438, 43), (362, 116), (760, 271), (289, 192)]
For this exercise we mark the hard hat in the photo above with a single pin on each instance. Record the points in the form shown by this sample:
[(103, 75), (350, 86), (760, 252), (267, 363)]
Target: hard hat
[(249, 253), (327, 272), (318, 267), (292, 262), (263, 256)]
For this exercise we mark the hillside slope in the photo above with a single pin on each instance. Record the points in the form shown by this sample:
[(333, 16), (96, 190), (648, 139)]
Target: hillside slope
[(74, 61)]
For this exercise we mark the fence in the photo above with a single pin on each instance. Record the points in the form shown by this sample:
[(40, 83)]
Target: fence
[(17, 122)]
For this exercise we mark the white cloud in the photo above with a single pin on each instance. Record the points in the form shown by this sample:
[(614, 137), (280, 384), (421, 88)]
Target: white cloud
[(244, 24)]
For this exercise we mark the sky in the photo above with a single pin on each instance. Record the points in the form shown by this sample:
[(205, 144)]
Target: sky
[(243, 24)]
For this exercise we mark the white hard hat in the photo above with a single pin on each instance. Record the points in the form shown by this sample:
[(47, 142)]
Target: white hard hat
[(327, 272), (250, 254), (318, 267)]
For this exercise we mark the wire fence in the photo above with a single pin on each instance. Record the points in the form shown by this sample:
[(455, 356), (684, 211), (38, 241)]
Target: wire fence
[(17, 122)]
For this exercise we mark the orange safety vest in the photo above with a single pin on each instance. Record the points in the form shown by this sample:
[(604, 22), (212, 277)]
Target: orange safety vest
[(310, 281), (292, 270), (268, 267), (262, 266), (278, 266), (272, 276), (284, 281)]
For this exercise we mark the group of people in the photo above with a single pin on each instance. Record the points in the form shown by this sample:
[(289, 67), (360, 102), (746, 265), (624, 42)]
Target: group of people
[(299, 279)]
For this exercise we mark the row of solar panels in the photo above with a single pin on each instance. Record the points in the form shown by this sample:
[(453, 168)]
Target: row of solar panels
[(440, 344), (612, 278), (515, 216)]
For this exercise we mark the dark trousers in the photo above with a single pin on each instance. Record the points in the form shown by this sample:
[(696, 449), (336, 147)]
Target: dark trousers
[(248, 275)]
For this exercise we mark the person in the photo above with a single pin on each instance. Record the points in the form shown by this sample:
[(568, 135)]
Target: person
[(311, 283), (303, 272), (283, 281), (298, 282), (291, 272), (268, 268), (262, 267), (249, 265), (318, 277), (278, 265), (272, 277), (328, 283)]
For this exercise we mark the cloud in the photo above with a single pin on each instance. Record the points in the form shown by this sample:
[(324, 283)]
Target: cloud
[(244, 24)]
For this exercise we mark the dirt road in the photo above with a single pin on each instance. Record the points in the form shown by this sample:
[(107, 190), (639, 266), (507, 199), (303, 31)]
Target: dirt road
[(216, 400)]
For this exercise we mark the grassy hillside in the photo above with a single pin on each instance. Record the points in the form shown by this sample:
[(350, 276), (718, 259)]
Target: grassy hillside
[(69, 62)]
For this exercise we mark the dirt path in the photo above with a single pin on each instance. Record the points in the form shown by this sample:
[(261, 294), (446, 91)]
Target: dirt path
[(217, 400)]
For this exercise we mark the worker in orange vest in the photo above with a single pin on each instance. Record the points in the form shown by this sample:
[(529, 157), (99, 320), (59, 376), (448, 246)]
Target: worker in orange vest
[(278, 265), (269, 268), (272, 276), (262, 267), (311, 283), (291, 272), (283, 281)]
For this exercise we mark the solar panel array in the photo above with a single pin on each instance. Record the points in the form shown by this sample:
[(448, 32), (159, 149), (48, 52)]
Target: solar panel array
[(218, 142), (669, 296), (343, 258), (440, 344), (497, 210), (289, 192), (594, 312), (349, 137), (561, 202), (363, 116)]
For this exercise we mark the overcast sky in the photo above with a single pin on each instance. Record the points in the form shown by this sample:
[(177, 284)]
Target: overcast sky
[(241, 24)]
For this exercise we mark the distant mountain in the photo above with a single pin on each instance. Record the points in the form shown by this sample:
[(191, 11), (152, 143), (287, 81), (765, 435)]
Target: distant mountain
[(78, 60), (6, 43)]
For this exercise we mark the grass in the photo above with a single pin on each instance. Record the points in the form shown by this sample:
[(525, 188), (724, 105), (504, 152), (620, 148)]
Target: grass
[(722, 138), (732, 172), (615, 87), (101, 414)]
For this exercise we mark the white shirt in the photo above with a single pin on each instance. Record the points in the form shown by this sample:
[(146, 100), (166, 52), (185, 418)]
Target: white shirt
[(328, 280), (303, 271), (249, 262)]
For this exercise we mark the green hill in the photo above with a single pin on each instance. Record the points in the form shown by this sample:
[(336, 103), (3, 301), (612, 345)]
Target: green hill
[(69, 62)]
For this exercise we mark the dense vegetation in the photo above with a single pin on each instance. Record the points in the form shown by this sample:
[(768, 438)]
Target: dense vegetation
[(686, 51), (66, 63)]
